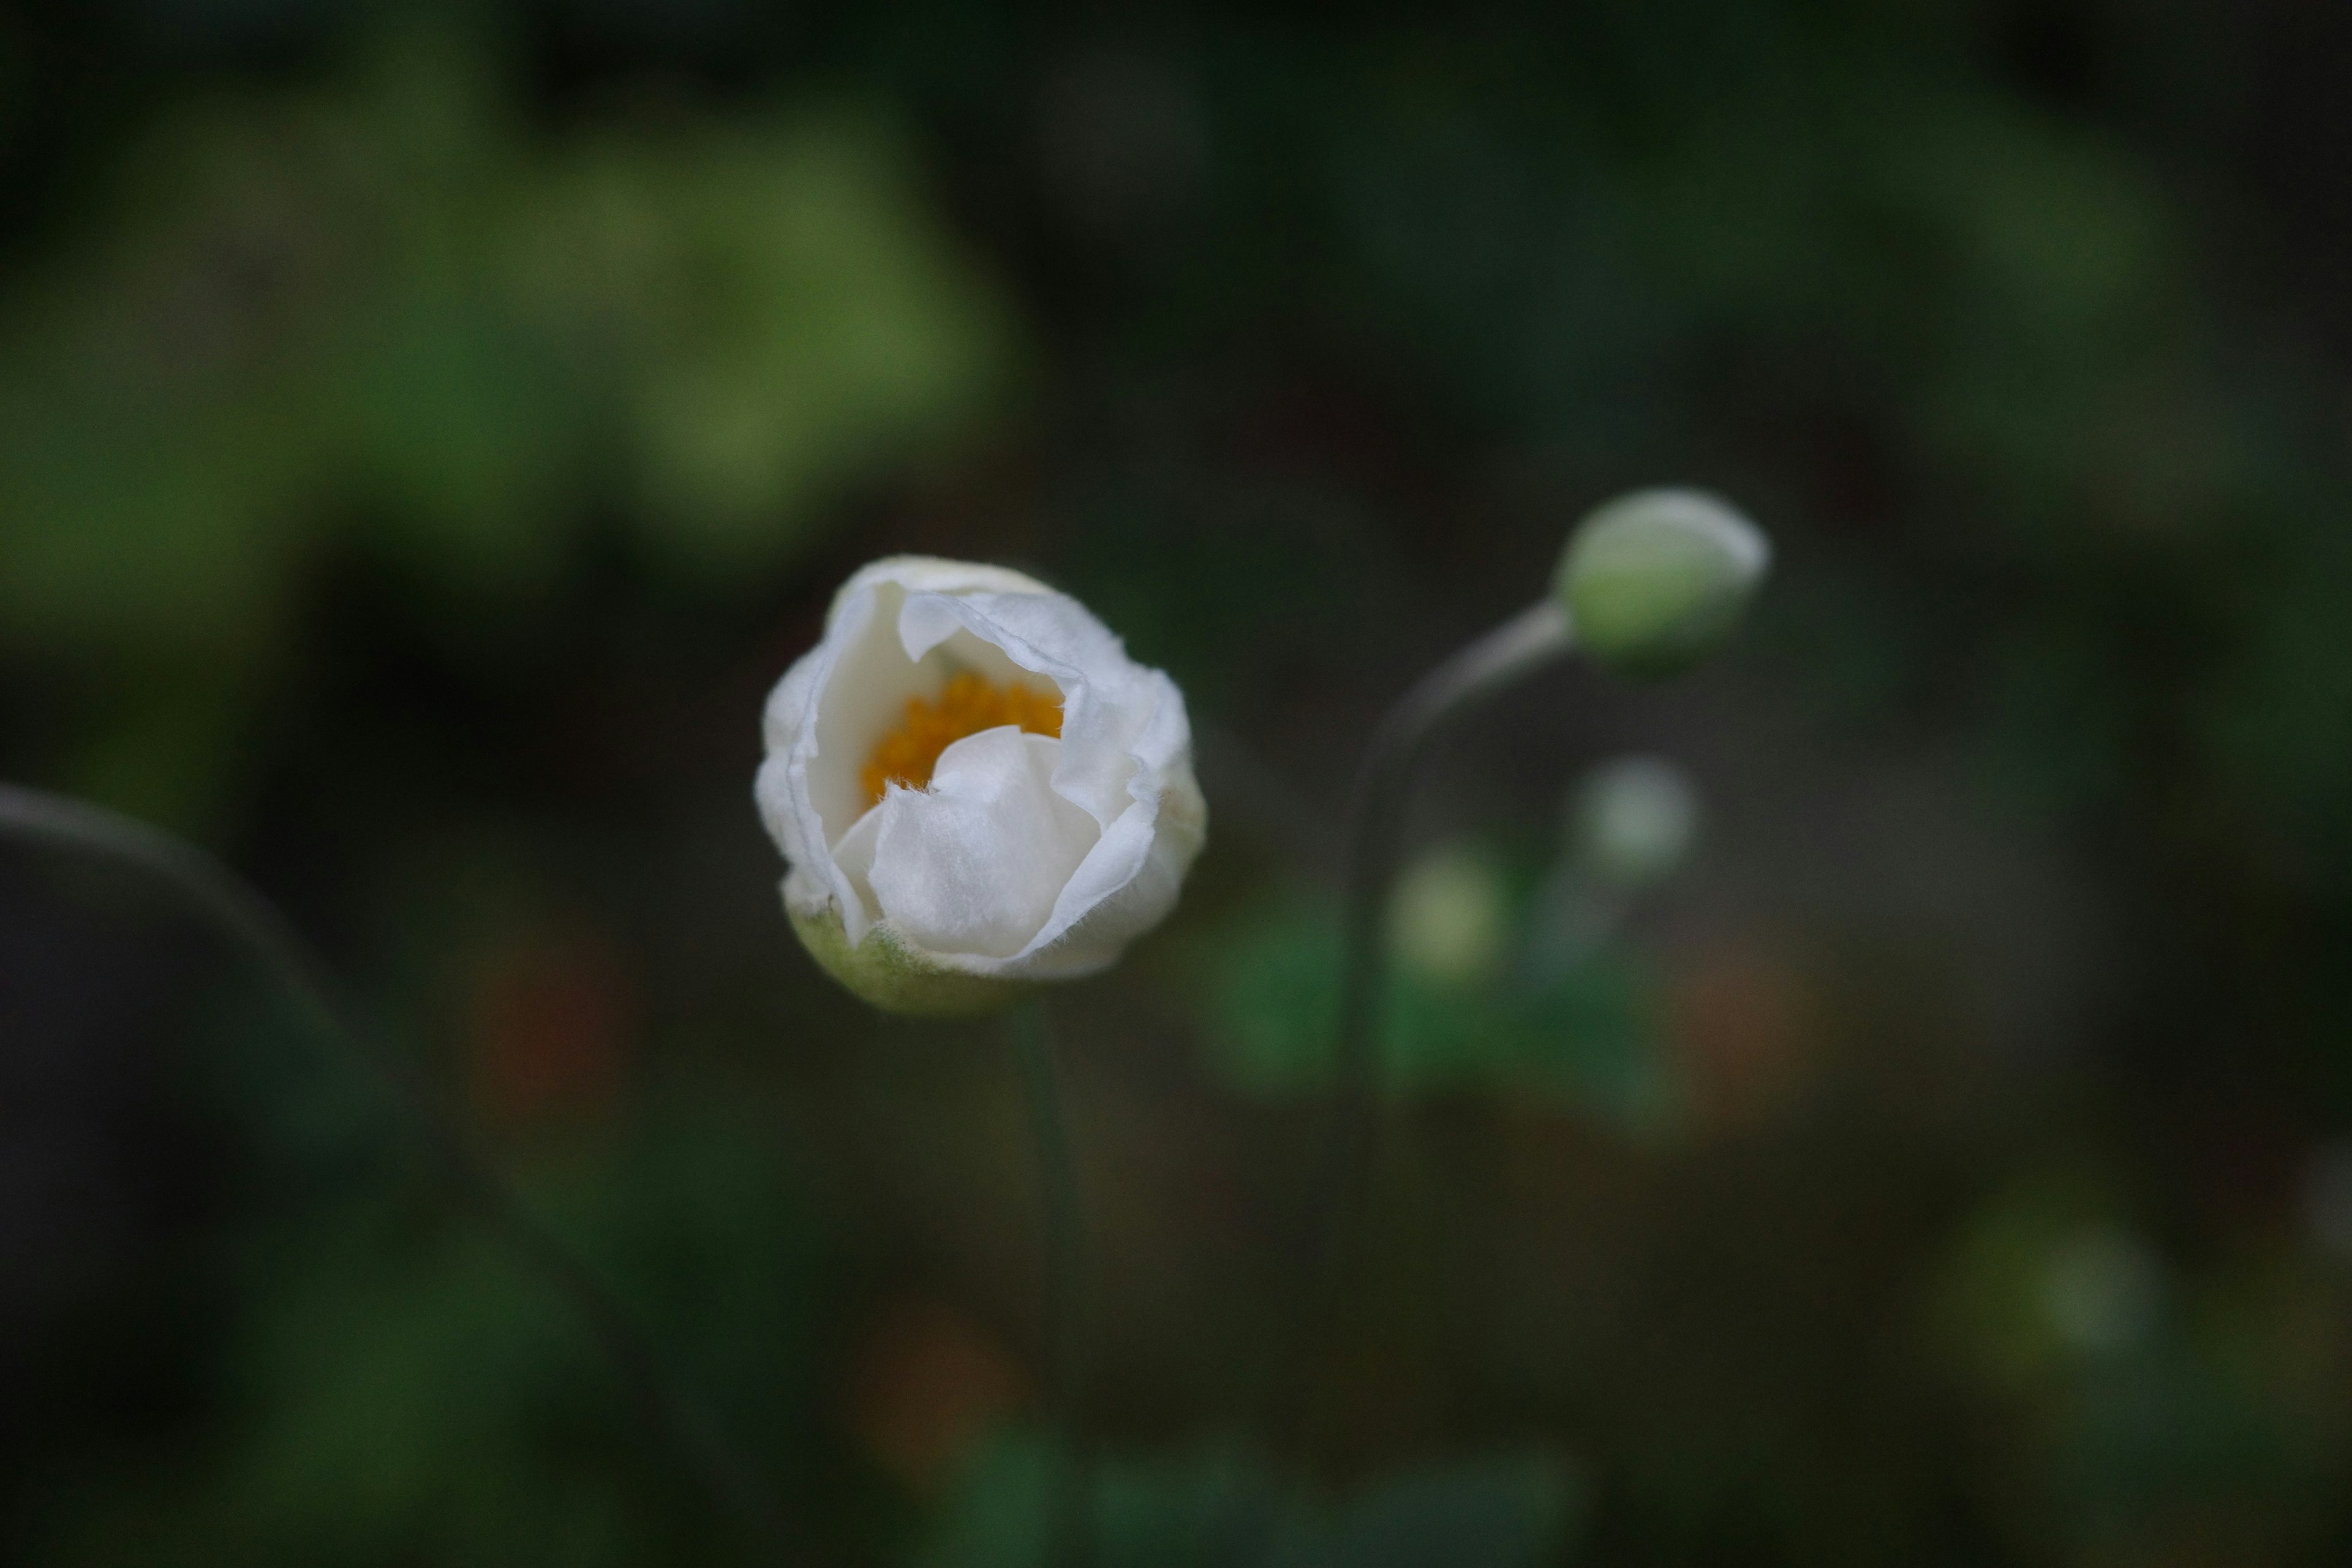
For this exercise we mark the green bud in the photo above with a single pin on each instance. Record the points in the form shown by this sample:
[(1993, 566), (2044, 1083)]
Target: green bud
[(1654, 582), (1450, 918)]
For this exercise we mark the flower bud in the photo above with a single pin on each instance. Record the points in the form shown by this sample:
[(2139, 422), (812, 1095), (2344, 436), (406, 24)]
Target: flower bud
[(1633, 822), (1654, 581), (1449, 918)]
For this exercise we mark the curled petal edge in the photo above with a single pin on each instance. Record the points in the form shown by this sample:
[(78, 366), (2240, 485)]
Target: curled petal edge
[(898, 976)]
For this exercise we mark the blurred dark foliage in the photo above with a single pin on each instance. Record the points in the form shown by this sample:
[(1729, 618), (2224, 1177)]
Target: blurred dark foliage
[(426, 433)]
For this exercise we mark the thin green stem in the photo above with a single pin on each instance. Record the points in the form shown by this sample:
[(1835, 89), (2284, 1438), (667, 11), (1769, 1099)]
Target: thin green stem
[(1525, 642), (1071, 1522), (233, 908)]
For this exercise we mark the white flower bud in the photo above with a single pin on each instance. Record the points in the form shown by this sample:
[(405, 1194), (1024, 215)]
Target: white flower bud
[(1632, 821), (1654, 581), (974, 788)]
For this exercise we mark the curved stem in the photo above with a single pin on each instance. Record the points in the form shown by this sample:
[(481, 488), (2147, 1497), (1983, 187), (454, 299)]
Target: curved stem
[(1525, 642), (251, 923), (1070, 1542)]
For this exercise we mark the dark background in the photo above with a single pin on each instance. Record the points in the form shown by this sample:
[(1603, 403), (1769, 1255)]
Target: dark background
[(427, 433)]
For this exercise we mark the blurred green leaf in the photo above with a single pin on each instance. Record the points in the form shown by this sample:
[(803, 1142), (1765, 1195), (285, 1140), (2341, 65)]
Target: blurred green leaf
[(410, 1389), (1273, 1001), (785, 317), (1209, 1509)]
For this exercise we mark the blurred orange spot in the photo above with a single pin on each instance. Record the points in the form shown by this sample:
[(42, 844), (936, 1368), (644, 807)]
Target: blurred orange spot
[(970, 704), (927, 1385), (1745, 1027), (548, 1021)]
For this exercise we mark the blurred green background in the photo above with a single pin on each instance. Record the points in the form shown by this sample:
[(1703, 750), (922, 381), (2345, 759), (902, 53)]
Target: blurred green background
[(426, 433)]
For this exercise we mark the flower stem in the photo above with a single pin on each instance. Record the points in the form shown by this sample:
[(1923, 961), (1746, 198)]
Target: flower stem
[(1070, 1524), (233, 908), (1525, 642)]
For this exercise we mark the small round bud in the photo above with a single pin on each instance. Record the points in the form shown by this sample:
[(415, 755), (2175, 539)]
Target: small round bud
[(1449, 918), (1632, 823), (1654, 581)]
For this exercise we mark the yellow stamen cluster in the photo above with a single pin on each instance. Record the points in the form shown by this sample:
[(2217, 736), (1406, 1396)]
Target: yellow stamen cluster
[(969, 704)]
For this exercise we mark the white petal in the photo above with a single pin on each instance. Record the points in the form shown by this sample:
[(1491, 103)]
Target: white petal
[(933, 575), (855, 856), (1160, 829), (785, 809), (804, 807), (860, 693), (1172, 835), (857, 700), (1106, 698), (973, 865)]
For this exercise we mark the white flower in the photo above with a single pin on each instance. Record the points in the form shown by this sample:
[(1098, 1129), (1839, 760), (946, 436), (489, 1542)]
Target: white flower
[(974, 787)]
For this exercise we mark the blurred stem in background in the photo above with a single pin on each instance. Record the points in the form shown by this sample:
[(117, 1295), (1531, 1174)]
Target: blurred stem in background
[(1649, 585), (1525, 642), (251, 923), (1070, 1529)]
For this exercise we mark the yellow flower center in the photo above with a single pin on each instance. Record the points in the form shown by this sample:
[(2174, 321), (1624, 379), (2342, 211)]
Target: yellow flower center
[(970, 704)]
